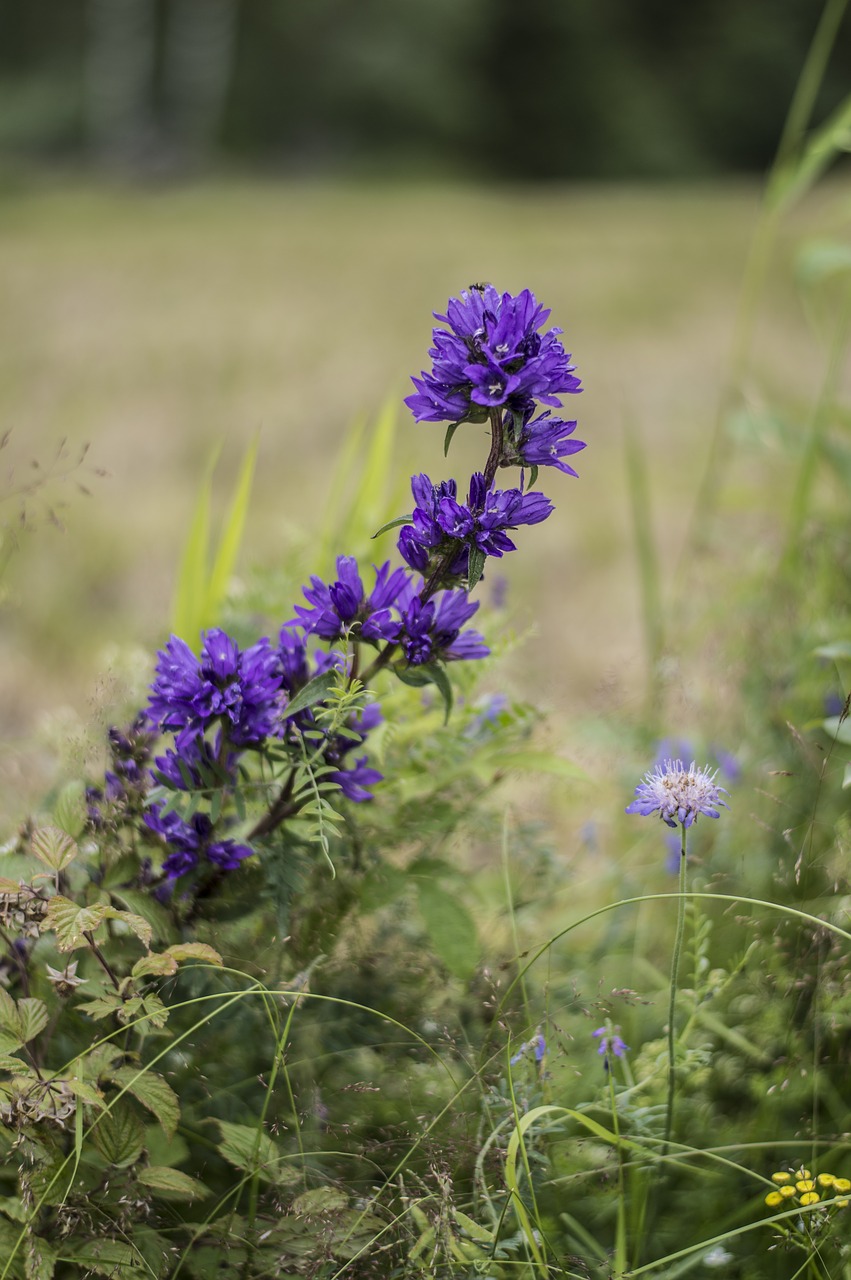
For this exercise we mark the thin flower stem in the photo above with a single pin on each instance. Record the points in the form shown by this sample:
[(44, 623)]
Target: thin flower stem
[(675, 965)]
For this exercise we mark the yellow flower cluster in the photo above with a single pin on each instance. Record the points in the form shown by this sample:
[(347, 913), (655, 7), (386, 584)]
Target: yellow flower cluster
[(800, 1187)]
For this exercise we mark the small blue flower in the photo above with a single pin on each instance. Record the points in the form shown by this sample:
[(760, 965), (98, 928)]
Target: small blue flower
[(537, 1045), (611, 1045)]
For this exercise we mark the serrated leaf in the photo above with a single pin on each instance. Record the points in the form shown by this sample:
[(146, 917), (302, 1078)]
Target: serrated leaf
[(156, 964), (154, 1093), (54, 847), (142, 904), (102, 1006), (70, 810), (32, 1018), (316, 690), (450, 928), (71, 922), (171, 1184), (119, 1136), (39, 1259), (195, 951), (320, 1200), (110, 1258), (251, 1150)]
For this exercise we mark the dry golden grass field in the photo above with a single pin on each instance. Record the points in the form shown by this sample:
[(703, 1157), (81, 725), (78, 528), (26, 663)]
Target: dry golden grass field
[(155, 323)]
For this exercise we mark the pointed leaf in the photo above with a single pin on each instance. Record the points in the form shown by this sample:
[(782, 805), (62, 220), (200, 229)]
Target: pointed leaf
[(119, 1136), (195, 951), (171, 1184), (54, 847), (252, 1150), (156, 964), (316, 690), (154, 1093), (392, 524), (187, 610), (231, 536), (32, 1018), (428, 673), (476, 567), (447, 439)]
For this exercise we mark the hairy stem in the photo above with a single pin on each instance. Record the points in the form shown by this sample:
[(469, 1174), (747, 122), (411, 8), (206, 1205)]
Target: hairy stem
[(675, 965)]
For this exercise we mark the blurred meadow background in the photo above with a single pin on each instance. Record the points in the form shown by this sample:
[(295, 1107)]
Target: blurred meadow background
[(221, 222), (224, 224)]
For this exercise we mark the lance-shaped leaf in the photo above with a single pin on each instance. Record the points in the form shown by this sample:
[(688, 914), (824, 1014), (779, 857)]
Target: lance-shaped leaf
[(316, 690), (428, 673)]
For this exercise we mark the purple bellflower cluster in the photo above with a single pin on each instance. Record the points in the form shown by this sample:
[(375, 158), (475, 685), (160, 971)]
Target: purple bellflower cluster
[(234, 714)]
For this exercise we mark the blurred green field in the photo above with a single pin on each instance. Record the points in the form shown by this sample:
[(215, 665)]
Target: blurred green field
[(156, 323)]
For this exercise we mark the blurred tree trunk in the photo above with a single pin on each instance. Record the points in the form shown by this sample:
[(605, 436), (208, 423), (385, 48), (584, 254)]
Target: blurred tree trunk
[(121, 50), (157, 79)]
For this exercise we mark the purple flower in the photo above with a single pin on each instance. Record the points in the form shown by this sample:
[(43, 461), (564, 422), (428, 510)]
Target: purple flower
[(678, 794), (491, 355), (340, 606), (610, 1046), (353, 782), (190, 841), (537, 1044), (432, 630), (441, 525), (191, 765), (545, 442), (239, 690)]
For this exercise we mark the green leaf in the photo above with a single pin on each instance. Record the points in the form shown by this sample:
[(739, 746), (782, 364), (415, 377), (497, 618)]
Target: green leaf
[(119, 1136), (195, 951), (392, 524), (155, 1093), (447, 439), (316, 690), (111, 1258), (70, 808), (253, 1151), (450, 928), (838, 728), (835, 651), (32, 1018), (71, 922), (54, 847), (171, 1184), (320, 1200), (476, 567), (821, 259), (429, 673), (533, 475), (231, 537), (188, 606), (540, 762), (40, 1258)]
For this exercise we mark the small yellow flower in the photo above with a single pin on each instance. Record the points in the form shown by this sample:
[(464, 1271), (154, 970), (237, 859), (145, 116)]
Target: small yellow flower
[(786, 1192), (780, 1176), (810, 1197), (805, 1184), (773, 1199), (841, 1184), (825, 1179), (803, 1173), (842, 1202)]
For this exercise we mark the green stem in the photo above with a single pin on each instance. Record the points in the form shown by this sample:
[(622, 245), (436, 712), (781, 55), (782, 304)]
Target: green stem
[(675, 966)]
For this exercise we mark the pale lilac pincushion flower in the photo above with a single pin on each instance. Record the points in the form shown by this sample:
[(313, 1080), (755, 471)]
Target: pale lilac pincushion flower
[(678, 794)]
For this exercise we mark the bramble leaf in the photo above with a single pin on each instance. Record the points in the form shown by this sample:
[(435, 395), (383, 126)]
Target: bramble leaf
[(171, 1184), (154, 1093), (54, 847), (71, 922), (252, 1150), (119, 1136)]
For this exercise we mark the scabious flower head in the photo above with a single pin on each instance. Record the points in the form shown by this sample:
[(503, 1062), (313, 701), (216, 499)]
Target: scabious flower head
[(678, 794), (492, 354), (340, 606), (238, 690)]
